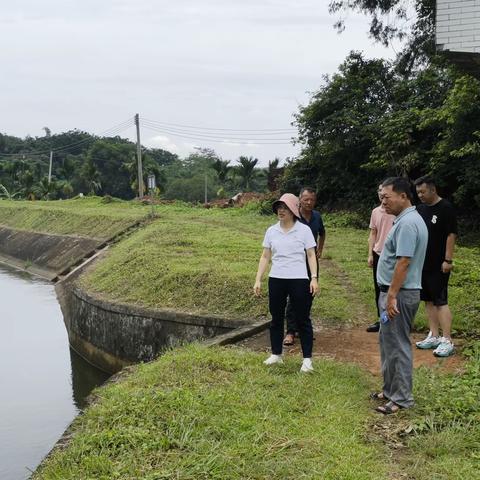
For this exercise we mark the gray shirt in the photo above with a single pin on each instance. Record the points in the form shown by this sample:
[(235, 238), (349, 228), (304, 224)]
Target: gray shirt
[(407, 238)]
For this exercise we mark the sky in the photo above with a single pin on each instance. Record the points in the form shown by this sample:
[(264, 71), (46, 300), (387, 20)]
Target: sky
[(212, 73)]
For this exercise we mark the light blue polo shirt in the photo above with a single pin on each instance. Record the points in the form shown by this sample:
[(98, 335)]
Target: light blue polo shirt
[(407, 238), (288, 250)]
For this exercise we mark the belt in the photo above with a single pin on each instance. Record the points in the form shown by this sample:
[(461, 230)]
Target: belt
[(384, 288)]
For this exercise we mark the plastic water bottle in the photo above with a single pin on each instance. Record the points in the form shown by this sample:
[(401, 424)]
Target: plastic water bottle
[(384, 317)]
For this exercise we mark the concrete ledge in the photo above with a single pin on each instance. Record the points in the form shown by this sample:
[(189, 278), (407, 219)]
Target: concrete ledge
[(111, 335), (238, 334)]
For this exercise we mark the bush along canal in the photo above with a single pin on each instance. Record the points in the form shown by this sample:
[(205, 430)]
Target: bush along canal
[(44, 383)]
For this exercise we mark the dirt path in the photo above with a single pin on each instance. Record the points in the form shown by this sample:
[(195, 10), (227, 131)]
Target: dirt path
[(354, 345)]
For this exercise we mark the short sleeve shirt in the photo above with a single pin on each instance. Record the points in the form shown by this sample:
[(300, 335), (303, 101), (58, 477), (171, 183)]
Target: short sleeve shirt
[(288, 250), (407, 238), (441, 221), (315, 224), (381, 222)]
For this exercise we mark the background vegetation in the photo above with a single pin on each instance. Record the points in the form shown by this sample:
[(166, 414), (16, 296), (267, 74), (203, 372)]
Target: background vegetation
[(92, 165)]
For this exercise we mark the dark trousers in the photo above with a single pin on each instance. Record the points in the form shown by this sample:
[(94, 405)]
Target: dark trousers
[(376, 256), (290, 314), (298, 290)]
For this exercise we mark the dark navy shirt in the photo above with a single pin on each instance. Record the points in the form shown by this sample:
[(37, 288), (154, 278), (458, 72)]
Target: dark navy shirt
[(315, 224)]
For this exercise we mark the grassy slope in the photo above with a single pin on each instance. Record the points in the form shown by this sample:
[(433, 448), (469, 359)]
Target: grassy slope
[(205, 261), (202, 261), (348, 247), (159, 423), (220, 414), (87, 216)]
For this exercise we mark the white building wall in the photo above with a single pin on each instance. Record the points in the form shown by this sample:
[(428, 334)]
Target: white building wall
[(458, 25)]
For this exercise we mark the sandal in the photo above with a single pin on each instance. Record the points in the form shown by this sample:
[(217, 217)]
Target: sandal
[(378, 396), (289, 339), (389, 408)]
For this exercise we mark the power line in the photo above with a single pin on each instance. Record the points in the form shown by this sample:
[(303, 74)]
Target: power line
[(217, 139), (116, 129), (224, 134), (266, 130)]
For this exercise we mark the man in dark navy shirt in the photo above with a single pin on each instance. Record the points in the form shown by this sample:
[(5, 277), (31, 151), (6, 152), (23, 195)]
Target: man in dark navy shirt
[(440, 218), (313, 219)]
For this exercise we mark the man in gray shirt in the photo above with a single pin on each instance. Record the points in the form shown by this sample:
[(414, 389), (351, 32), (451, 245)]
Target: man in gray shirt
[(399, 276)]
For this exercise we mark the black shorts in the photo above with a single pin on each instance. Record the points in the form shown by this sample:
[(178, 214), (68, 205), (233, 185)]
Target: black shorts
[(435, 288)]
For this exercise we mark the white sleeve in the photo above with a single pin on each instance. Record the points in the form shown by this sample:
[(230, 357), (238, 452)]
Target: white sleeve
[(267, 241), (308, 240)]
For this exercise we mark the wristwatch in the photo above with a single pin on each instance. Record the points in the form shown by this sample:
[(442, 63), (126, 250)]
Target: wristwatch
[(314, 276), (448, 261)]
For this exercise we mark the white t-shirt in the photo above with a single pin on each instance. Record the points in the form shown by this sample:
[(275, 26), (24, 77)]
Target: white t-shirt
[(288, 250)]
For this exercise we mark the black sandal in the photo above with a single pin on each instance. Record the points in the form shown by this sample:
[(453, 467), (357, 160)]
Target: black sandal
[(378, 396), (389, 408)]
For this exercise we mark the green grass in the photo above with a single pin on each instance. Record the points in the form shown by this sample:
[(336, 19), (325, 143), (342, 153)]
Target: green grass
[(201, 413), (446, 423), (347, 247), (219, 414), (88, 216), (201, 261)]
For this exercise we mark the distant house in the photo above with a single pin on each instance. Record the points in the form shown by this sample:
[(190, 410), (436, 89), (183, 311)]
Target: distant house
[(458, 32)]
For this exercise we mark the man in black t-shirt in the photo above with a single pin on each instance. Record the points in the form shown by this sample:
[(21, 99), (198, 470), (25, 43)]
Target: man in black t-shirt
[(441, 220)]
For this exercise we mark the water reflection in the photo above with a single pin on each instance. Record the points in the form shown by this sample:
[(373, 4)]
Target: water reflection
[(85, 378), (43, 384)]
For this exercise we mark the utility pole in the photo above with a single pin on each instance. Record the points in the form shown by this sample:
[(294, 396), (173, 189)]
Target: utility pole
[(206, 196), (50, 167), (139, 159)]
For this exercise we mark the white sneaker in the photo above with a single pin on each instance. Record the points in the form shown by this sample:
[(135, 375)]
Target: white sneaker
[(307, 365), (429, 342), (272, 359), (445, 349)]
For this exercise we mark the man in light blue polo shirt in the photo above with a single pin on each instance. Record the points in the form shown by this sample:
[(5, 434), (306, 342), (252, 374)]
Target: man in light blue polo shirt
[(399, 276)]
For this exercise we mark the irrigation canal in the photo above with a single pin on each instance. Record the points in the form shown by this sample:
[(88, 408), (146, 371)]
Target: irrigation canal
[(43, 383)]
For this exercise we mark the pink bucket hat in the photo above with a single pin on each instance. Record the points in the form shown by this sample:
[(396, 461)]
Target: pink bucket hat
[(290, 200)]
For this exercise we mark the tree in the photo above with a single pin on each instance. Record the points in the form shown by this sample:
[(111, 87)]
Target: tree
[(46, 190), (274, 172), (390, 19), (223, 169), (110, 157), (337, 130), (91, 177), (246, 170)]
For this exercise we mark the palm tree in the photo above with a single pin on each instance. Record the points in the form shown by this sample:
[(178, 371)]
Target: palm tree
[(246, 170), (273, 173), (222, 168), (91, 176), (46, 190), (6, 194)]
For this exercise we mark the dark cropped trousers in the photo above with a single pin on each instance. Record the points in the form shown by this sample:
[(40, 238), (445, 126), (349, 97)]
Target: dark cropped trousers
[(298, 290)]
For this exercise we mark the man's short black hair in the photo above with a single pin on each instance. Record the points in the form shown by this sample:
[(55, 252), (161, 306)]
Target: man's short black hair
[(399, 185), (307, 189), (427, 179)]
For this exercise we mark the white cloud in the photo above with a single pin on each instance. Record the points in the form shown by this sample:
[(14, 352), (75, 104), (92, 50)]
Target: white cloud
[(160, 141), (217, 63)]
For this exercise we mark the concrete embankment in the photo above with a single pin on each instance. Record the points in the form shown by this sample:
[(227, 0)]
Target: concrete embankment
[(108, 334), (44, 254), (113, 335)]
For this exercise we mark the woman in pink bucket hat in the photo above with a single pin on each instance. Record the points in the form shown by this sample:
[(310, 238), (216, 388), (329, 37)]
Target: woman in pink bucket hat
[(285, 244)]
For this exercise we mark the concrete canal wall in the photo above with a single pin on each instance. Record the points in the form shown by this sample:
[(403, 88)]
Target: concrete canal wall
[(113, 335), (44, 254), (109, 335)]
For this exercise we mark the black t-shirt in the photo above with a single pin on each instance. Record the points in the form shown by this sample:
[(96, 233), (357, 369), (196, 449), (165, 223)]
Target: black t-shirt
[(441, 220)]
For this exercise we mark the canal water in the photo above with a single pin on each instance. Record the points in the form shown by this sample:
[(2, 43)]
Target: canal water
[(43, 383)]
